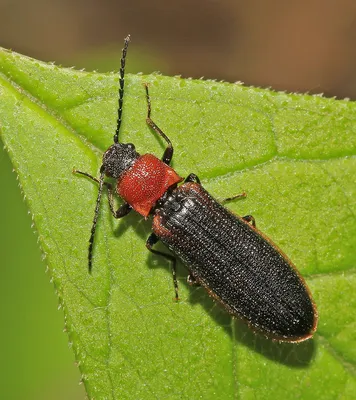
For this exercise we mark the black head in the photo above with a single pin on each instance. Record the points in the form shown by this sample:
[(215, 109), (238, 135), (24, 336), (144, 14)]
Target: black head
[(118, 158)]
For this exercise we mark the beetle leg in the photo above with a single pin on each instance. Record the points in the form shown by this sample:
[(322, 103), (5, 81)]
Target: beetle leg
[(168, 153), (192, 281), (192, 178), (250, 218), (123, 210), (151, 241), (236, 197)]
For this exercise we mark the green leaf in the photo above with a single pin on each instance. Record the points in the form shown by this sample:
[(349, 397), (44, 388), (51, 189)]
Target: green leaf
[(293, 155)]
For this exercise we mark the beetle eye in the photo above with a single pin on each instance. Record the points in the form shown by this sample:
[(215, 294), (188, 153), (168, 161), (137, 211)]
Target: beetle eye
[(130, 146)]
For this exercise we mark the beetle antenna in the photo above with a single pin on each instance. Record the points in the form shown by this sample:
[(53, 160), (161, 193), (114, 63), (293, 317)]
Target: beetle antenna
[(95, 220), (121, 89)]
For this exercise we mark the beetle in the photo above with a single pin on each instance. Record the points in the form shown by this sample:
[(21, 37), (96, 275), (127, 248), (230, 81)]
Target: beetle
[(226, 254)]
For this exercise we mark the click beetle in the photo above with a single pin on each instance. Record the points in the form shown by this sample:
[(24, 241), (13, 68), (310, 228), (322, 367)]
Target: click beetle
[(237, 264)]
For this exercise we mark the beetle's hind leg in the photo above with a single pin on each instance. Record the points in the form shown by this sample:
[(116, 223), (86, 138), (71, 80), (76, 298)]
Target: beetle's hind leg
[(151, 241)]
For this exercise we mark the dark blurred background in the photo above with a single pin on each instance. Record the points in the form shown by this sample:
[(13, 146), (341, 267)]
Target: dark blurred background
[(288, 45), (305, 46)]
